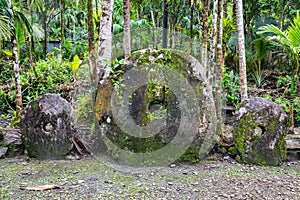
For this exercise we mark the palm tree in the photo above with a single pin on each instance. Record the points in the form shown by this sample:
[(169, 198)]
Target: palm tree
[(165, 24), (5, 31), (105, 42), (127, 45), (289, 40), (91, 35), (205, 34), (62, 22), (241, 49), (15, 17), (191, 4), (219, 68), (213, 40), (26, 42)]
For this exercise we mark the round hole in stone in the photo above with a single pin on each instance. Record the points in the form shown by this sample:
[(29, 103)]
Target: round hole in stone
[(47, 127), (259, 130), (157, 109)]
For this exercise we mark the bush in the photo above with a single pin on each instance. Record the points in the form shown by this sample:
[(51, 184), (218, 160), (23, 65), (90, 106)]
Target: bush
[(231, 88), (51, 74)]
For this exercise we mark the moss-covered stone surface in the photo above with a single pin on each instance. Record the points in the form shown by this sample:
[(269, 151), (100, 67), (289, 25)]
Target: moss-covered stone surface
[(46, 126), (154, 100), (259, 133)]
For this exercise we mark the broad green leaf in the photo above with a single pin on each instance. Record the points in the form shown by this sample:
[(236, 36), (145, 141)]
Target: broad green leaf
[(74, 65)]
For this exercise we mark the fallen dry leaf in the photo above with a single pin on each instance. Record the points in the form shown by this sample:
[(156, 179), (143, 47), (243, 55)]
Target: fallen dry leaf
[(41, 187)]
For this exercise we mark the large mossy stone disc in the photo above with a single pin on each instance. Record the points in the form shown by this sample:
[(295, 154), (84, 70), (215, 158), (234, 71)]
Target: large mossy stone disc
[(259, 132), (150, 101), (46, 126)]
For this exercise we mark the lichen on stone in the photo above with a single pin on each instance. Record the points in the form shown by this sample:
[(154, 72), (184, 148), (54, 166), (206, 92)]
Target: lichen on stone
[(145, 100), (259, 132)]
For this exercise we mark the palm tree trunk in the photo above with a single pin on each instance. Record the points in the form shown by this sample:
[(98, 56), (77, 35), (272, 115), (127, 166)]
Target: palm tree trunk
[(105, 42), (91, 35), (26, 42), (154, 28), (31, 20), (241, 49), (127, 42), (218, 70), (29, 51), (204, 34), (44, 44), (213, 40), (62, 24), (191, 25), (16, 66), (165, 25)]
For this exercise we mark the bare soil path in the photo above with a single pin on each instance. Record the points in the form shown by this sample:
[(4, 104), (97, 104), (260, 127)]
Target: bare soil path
[(101, 178)]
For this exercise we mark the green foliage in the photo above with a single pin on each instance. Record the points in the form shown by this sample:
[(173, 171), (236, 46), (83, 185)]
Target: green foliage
[(289, 40), (4, 27), (296, 103), (284, 102), (231, 87), (259, 78), (72, 49), (85, 111), (74, 65), (286, 105), (6, 80), (287, 80), (51, 74)]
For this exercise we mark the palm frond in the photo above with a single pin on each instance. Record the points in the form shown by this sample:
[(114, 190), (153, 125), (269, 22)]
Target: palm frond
[(20, 16), (260, 45), (38, 5), (5, 25), (272, 29), (142, 23), (293, 32)]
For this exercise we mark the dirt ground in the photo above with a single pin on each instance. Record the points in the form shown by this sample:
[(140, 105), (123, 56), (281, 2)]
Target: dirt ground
[(102, 178)]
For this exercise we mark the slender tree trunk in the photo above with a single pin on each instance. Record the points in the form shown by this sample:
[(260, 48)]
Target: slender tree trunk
[(27, 44), (29, 51), (62, 22), (31, 21), (165, 25), (45, 46), (191, 25), (16, 66), (225, 14), (91, 35), (105, 42), (218, 69), (205, 34), (127, 42), (137, 14), (241, 49), (154, 29), (153, 18), (213, 40)]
